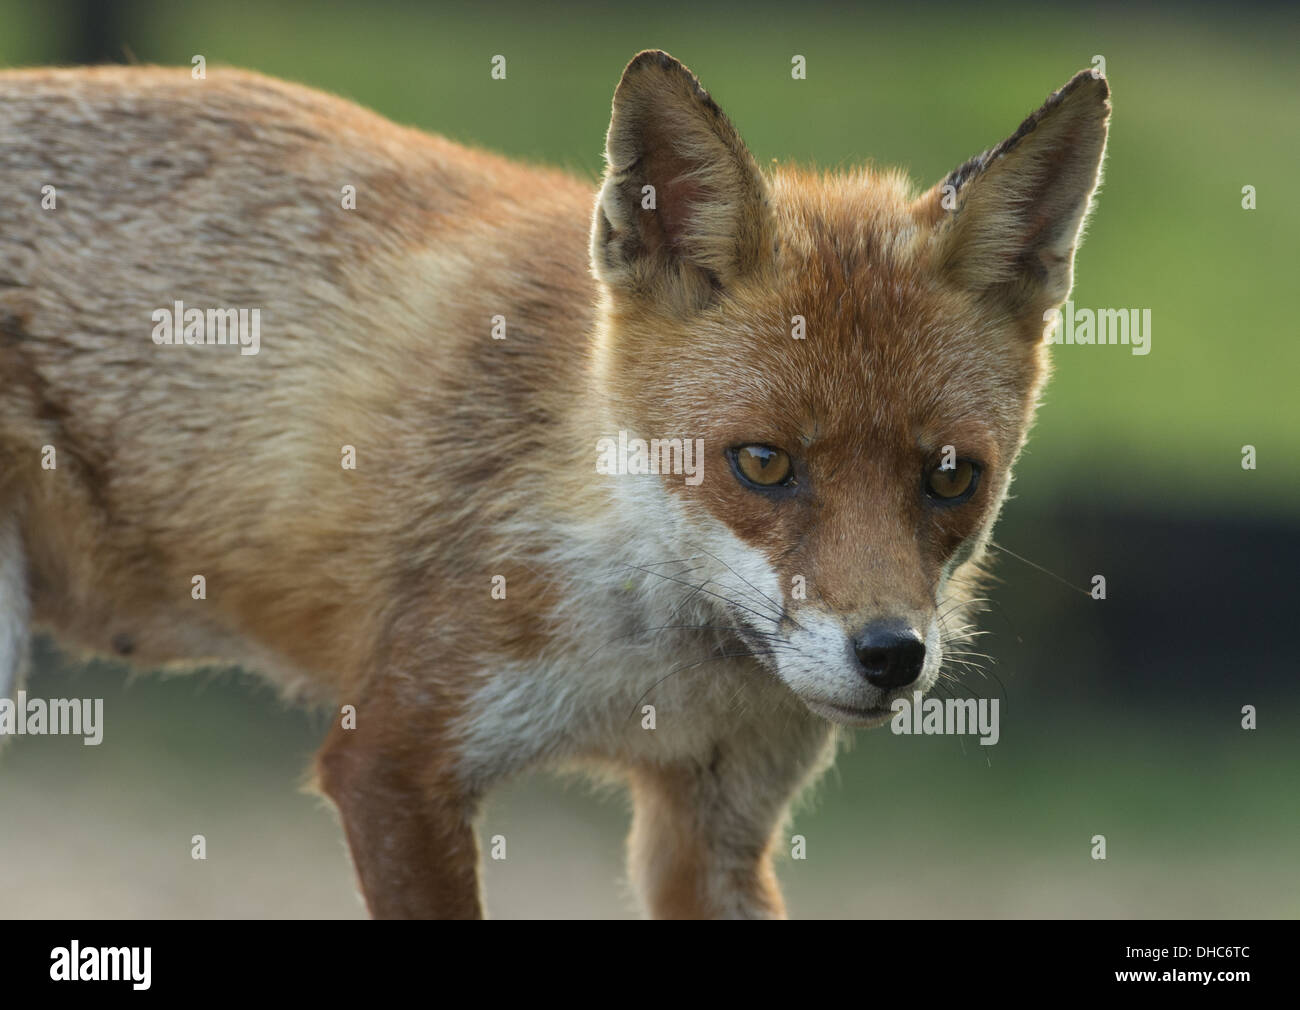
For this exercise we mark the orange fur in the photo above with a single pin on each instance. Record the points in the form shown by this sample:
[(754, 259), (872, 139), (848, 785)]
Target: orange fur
[(371, 587)]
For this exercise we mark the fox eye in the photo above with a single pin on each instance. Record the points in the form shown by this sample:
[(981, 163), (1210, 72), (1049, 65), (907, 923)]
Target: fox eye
[(953, 485), (762, 465)]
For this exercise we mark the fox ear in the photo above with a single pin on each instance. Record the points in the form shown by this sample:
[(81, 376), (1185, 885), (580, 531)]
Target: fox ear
[(683, 210), (1009, 220)]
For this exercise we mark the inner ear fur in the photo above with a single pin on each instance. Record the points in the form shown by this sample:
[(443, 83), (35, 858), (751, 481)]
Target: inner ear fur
[(704, 223), (1008, 221)]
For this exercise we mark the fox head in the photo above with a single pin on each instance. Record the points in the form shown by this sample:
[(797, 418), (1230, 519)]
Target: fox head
[(861, 363)]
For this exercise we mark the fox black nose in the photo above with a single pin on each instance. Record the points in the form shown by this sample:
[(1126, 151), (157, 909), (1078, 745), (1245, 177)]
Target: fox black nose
[(891, 654)]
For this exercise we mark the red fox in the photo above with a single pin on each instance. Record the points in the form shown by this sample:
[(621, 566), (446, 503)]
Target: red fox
[(669, 477)]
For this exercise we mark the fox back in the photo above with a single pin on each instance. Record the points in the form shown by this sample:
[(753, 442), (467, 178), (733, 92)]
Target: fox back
[(670, 476)]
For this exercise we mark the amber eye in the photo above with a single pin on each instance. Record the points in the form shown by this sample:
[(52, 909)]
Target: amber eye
[(954, 484), (763, 465)]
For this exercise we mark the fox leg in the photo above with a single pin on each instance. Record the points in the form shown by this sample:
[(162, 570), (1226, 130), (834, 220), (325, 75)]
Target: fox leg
[(15, 607), (408, 822), (704, 832)]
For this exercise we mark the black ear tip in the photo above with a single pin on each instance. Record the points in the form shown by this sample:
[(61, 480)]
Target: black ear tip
[(648, 58), (1090, 82), (653, 70)]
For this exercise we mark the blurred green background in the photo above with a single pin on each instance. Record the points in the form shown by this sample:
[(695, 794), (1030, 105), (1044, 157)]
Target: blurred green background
[(1120, 717)]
